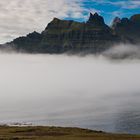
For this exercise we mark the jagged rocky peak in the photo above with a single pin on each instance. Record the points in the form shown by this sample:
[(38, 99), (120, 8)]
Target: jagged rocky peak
[(116, 21), (54, 21), (59, 24), (96, 19), (92, 36), (135, 18), (34, 35), (125, 21)]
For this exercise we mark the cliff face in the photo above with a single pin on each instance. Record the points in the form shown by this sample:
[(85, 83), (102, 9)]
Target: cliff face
[(128, 29), (93, 36), (29, 43)]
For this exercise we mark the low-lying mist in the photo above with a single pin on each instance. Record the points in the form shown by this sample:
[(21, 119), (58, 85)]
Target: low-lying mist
[(93, 92), (123, 51)]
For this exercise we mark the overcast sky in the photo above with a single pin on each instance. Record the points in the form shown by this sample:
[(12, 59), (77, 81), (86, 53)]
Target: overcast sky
[(19, 17)]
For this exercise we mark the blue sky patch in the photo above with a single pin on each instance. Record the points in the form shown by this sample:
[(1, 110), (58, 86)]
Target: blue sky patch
[(109, 9)]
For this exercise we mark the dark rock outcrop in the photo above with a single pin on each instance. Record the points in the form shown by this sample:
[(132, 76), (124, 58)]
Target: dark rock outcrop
[(115, 22), (93, 36), (28, 43), (128, 29), (96, 20)]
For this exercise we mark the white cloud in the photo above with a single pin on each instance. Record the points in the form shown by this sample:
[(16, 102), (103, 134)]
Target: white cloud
[(130, 4), (20, 17), (125, 4)]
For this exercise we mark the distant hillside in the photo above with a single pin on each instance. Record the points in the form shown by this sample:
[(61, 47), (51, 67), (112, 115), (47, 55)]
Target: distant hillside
[(93, 36)]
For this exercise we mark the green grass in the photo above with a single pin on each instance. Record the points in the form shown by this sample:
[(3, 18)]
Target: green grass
[(58, 133)]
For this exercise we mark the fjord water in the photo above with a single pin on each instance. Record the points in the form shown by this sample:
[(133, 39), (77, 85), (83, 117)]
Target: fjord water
[(89, 92)]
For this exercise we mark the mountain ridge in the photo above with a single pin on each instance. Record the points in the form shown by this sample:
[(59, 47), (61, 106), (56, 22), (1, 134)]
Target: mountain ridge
[(68, 36)]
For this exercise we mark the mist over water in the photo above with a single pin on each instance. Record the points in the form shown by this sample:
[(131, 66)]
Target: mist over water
[(90, 92)]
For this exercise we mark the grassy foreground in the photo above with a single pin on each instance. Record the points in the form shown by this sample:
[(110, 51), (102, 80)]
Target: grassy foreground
[(58, 133)]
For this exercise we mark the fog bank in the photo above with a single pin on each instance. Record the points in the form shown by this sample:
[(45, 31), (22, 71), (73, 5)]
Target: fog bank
[(88, 91), (123, 51)]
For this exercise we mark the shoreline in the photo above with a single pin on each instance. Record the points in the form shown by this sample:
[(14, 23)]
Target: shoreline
[(59, 133)]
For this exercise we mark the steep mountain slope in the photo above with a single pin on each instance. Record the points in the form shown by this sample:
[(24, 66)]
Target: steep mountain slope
[(69, 36), (93, 36), (128, 29)]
